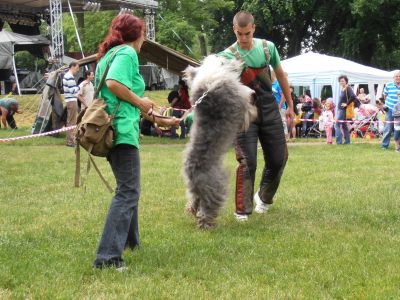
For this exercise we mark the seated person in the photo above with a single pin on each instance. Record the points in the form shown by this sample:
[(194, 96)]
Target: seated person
[(363, 97), (175, 101), (8, 107), (149, 128)]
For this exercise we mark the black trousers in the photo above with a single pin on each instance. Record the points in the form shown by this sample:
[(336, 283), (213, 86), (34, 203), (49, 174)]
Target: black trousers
[(268, 130)]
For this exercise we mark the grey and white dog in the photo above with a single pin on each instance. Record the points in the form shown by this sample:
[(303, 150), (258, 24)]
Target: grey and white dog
[(223, 108)]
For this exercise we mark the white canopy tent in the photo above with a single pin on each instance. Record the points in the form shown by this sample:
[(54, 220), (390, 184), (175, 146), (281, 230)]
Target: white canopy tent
[(316, 70), (11, 42)]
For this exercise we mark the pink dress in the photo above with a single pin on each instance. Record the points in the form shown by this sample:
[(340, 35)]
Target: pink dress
[(327, 118)]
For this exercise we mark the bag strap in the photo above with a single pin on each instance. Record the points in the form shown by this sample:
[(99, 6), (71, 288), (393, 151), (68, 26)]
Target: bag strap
[(77, 165), (103, 77), (91, 160), (77, 150), (236, 53), (78, 180), (266, 51)]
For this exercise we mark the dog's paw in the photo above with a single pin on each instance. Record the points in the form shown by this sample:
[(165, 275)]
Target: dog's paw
[(206, 225), (191, 210)]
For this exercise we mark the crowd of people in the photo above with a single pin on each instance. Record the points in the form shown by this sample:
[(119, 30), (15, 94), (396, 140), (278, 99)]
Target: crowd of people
[(321, 118)]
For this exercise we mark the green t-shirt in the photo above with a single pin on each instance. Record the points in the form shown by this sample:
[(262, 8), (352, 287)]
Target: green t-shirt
[(124, 68), (255, 57), (6, 103)]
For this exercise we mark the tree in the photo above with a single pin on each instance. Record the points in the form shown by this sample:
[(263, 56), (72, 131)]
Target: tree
[(367, 31), (181, 21), (95, 29)]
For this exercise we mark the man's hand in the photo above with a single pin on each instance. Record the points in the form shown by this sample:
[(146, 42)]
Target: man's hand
[(290, 113), (343, 105)]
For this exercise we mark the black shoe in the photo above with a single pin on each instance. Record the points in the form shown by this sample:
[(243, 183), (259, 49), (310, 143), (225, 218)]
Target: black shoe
[(115, 263)]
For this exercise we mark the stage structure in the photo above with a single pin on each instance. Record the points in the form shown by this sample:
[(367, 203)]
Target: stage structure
[(24, 16)]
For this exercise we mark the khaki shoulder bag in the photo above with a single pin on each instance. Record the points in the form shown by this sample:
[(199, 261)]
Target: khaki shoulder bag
[(94, 130)]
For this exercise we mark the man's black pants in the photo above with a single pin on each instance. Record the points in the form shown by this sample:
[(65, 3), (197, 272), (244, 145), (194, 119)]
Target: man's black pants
[(268, 130)]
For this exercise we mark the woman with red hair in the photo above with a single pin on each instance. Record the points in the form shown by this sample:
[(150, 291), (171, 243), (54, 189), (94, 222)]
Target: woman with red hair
[(123, 91)]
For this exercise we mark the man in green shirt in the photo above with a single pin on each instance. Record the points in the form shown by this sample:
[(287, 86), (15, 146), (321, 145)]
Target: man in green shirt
[(8, 107), (257, 55)]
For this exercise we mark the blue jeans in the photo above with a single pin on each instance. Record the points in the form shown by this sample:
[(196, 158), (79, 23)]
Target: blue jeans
[(341, 115), (387, 129), (121, 229)]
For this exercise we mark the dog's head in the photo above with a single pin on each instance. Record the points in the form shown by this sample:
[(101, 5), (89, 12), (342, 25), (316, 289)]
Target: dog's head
[(212, 69), (216, 71)]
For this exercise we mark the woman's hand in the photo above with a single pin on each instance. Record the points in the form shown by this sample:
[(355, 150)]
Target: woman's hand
[(343, 105), (171, 122), (146, 105)]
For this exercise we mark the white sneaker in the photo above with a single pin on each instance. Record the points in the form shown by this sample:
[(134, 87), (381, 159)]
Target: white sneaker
[(261, 207), (241, 217)]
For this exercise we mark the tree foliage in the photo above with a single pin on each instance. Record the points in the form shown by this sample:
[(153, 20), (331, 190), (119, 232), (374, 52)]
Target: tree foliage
[(95, 28), (367, 31)]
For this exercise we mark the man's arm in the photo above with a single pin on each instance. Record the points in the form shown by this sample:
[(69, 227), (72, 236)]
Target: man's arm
[(81, 99), (284, 84), (283, 99)]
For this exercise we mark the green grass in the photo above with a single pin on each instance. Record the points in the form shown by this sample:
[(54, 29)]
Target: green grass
[(333, 231)]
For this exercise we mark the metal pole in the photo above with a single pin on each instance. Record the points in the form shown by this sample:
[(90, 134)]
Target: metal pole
[(76, 29), (15, 72), (57, 39)]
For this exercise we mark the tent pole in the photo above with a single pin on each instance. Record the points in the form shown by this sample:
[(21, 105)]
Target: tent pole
[(76, 32), (15, 72)]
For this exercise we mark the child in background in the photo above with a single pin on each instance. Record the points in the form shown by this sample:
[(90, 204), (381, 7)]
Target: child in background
[(327, 119)]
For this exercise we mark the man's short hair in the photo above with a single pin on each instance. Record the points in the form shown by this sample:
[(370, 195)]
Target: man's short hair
[(73, 64), (343, 77), (243, 18), (87, 73)]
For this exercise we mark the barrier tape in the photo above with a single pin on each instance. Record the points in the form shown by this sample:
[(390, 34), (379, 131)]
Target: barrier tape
[(37, 135), (73, 127), (350, 121)]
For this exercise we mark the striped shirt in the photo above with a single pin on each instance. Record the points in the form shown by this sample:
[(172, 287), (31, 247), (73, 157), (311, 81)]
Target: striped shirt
[(390, 92), (70, 87)]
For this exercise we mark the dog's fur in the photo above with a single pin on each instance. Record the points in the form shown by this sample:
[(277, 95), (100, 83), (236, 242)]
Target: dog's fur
[(225, 110)]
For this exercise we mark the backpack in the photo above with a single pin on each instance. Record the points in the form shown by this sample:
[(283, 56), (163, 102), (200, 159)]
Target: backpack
[(94, 130), (350, 108)]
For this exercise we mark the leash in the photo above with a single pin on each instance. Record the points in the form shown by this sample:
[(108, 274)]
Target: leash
[(155, 115), (198, 101)]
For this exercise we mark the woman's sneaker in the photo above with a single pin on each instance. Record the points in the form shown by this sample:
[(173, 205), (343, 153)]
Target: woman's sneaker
[(261, 207)]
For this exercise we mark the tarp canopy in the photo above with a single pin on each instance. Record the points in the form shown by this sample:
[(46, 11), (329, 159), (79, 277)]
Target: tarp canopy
[(160, 55), (316, 70), (11, 42)]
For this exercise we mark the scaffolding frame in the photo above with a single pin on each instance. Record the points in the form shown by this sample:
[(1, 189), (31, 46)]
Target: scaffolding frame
[(56, 25)]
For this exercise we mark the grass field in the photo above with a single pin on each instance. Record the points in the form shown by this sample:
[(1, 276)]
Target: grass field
[(332, 233)]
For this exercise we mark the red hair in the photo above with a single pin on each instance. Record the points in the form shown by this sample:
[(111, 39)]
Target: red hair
[(125, 28)]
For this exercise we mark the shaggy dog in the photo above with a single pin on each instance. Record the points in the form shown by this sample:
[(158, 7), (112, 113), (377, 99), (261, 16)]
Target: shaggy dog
[(223, 107)]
